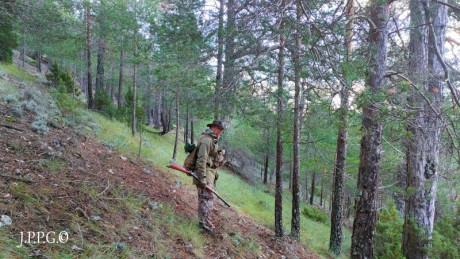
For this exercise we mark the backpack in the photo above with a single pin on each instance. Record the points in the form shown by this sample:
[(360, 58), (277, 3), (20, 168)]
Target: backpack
[(190, 160)]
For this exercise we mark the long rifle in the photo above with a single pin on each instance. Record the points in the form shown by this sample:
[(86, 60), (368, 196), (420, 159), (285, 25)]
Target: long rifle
[(192, 174)]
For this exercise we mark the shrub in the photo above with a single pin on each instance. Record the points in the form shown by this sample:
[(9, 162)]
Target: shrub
[(40, 125), (8, 39), (61, 79), (388, 234), (315, 214), (446, 241)]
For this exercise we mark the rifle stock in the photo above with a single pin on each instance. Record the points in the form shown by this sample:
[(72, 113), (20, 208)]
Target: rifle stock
[(190, 173)]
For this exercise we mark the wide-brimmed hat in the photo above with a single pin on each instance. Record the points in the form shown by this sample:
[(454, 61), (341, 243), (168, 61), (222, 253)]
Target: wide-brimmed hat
[(216, 123)]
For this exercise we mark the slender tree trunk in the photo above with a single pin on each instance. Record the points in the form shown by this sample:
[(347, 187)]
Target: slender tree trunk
[(398, 194), (335, 241), (112, 93), (371, 143), (39, 61), (229, 74), (88, 56), (23, 48), (279, 139), (120, 78), (220, 51), (192, 133), (100, 84), (312, 195), (157, 109), (321, 195), (295, 220), (266, 156), (186, 126), (134, 122), (306, 186), (177, 124), (425, 126)]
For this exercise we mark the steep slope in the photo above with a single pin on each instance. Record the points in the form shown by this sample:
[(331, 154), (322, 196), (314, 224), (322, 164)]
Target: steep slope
[(61, 178)]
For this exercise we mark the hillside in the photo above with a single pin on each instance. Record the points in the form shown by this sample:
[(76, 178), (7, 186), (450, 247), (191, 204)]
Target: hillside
[(59, 173)]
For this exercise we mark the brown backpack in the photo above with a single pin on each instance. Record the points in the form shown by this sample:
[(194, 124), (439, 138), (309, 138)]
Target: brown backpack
[(190, 160)]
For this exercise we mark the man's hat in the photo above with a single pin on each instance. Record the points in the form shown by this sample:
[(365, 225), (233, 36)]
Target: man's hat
[(216, 123)]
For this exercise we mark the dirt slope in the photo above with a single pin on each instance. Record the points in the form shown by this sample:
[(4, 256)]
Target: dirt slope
[(66, 180)]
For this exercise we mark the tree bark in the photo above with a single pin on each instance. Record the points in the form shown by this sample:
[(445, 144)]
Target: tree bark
[(120, 78), (312, 195), (192, 133), (100, 84), (134, 119), (186, 126), (336, 236), (39, 61), (220, 51), (371, 142), (88, 56), (425, 126), (177, 125), (295, 220), (306, 186), (322, 191), (229, 77), (279, 139)]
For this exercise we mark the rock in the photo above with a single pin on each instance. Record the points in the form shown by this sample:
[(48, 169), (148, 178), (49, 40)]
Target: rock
[(123, 158), (147, 171), (96, 218), (5, 221), (111, 171), (76, 248), (120, 246)]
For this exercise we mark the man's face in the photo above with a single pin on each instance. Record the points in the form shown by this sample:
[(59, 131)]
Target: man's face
[(216, 130)]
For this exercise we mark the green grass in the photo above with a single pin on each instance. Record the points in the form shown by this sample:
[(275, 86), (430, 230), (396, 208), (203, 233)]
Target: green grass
[(13, 70)]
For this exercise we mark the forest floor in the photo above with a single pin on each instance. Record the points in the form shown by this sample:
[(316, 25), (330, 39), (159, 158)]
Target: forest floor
[(109, 203)]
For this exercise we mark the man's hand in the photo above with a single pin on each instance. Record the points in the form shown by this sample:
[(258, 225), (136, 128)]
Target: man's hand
[(220, 159)]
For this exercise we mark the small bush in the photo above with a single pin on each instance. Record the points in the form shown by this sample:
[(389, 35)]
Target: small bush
[(16, 111), (61, 79), (40, 125), (29, 105), (315, 214), (388, 234)]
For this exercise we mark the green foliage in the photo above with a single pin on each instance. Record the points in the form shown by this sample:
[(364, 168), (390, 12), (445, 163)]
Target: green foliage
[(315, 214), (446, 241), (8, 39), (60, 78), (104, 104), (388, 234)]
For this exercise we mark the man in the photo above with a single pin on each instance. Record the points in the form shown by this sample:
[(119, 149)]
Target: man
[(208, 159)]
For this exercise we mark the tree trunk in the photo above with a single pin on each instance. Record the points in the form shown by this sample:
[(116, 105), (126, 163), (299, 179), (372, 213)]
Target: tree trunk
[(336, 236), (295, 220), (23, 48), (279, 139), (425, 126), (220, 51), (88, 56), (398, 194), (229, 78), (186, 127), (266, 168), (157, 110), (120, 78), (100, 84), (192, 133), (112, 93), (312, 195), (177, 124), (39, 61), (306, 186), (371, 142), (134, 119), (321, 195)]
